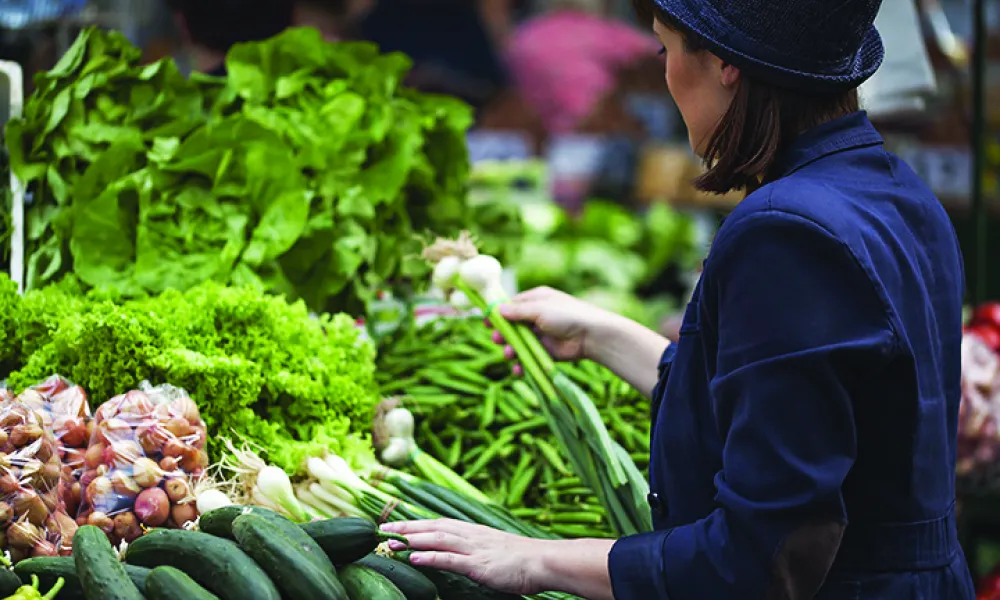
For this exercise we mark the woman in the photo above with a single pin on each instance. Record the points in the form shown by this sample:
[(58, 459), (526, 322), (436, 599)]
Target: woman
[(805, 422)]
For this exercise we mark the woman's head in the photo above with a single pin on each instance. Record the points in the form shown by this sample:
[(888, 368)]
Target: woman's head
[(738, 118)]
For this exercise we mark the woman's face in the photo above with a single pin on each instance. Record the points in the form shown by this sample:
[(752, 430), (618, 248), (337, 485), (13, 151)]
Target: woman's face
[(701, 84)]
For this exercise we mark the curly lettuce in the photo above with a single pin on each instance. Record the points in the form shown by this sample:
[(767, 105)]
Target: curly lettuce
[(260, 369)]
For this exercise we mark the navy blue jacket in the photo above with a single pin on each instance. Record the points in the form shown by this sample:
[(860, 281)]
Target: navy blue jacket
[(816, 380)]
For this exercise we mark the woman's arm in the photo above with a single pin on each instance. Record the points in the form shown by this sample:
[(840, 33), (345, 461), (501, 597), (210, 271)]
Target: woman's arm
[(508, 562), (629, 349), (578, 567), (573, 329)]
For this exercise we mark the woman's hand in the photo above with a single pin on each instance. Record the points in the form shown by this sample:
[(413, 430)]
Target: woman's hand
[(498, 560), (567, 326), (572, 329), (507, 562)]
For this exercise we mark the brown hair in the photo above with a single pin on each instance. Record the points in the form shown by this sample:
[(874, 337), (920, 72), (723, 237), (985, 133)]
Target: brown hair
[(759, 123)]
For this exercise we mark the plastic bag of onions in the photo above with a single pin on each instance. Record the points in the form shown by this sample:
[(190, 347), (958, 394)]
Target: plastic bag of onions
[(33, 518), (145, 454), (63, 408)]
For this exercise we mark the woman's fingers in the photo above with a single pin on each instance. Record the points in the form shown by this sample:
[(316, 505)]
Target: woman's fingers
[(524, 310), (534, 294), (408, 528), (444, 561), (438, 541)]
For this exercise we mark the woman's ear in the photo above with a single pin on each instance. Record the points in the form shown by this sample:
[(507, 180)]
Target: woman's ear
[(730, 75)]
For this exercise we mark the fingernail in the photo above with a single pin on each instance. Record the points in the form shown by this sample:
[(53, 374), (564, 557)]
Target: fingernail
[(389, 527), (416, 558), (396, 545)]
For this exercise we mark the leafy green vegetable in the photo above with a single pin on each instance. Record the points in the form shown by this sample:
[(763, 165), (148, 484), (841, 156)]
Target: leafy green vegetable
[(308, 171), (258, 367)]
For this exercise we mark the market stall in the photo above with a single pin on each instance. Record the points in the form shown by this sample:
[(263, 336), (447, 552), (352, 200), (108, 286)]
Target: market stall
[(230, 345)]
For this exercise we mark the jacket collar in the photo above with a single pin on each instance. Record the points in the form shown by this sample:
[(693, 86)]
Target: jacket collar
[(847, 132)]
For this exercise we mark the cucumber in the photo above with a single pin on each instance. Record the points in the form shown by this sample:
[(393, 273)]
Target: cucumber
[(295, 573), (409, 580), (451, 586), (345, 539), (219, 522), (363, 583), (214, 563), (102, 575), (50, 568), (168, 583), (9, 582)]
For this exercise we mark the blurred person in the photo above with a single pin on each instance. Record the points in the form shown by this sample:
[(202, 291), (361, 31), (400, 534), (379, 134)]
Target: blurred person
[(337, 20), (804, 425), (453, 50), (566, 60), (209, 28)]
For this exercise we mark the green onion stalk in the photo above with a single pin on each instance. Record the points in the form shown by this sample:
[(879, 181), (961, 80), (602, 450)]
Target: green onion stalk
[(393, 436), (382, 494), (468, 277)]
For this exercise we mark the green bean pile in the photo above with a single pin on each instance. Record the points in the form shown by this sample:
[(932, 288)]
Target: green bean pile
[(479, 419)]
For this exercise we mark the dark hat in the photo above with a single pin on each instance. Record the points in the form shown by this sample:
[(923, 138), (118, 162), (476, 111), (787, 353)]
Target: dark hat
[(808, 45)]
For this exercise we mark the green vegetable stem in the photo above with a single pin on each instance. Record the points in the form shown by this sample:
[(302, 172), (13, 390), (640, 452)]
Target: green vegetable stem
[(31, 592)]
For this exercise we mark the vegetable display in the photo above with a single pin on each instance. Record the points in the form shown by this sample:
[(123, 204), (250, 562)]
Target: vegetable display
[(146, 452), (308, 171), (979, 412), (479, 419), (33, 517), (603, 465), (256, 366), (261, 560)]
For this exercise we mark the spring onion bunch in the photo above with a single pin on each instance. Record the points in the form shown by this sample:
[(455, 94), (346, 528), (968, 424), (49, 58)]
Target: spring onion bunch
[(394, 428), (467, 276)]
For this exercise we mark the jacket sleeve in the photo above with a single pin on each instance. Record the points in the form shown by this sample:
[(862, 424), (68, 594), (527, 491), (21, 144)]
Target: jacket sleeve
[(798, 321)]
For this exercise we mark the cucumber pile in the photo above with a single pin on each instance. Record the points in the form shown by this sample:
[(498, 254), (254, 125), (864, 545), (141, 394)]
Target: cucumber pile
[(246, 553)]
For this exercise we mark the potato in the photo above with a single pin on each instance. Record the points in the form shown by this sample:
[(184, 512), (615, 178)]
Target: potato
[(71, 431), (94, 455), (99, 491), (151, 438), (152, 507), (147, 473), (124, 485), (122, 454), (174, 448), (169, 464), (102, 521), (177, 489), (181, 514), (179, 428), (25, 434)]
